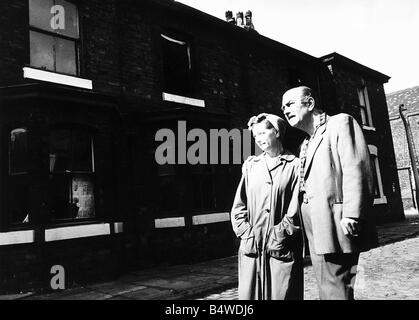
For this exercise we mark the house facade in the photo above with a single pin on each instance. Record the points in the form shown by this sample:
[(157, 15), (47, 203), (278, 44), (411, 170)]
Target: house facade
[(410, 99), (88, 92)]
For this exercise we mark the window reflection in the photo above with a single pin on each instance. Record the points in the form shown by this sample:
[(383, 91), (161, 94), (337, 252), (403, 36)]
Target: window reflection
[(71, 174)]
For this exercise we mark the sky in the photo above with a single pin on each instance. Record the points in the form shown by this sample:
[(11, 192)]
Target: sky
[(380, 34)]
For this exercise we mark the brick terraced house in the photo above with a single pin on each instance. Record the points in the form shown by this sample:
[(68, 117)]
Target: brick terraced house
[(85, 86), (410, 99)]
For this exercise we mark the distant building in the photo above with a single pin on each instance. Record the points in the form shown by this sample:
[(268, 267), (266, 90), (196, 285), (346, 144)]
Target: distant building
[(410, 98), (81, 100)]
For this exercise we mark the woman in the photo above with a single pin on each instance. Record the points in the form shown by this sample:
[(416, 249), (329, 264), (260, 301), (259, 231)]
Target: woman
[(265, 216)]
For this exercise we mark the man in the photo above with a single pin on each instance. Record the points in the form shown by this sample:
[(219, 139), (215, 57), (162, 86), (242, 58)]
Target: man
[(336, 195)]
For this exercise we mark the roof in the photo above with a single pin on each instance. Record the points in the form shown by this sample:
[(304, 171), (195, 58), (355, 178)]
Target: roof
[(338, 58), (231, 29), (409, 97)]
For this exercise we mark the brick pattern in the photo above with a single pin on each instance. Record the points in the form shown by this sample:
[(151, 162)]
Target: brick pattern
[(410, 98)]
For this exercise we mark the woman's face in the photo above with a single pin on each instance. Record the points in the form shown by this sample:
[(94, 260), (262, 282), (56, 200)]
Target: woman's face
[(266, 139)]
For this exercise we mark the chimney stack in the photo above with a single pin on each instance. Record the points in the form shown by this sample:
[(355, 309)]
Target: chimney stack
[(249, 24), (239, 19), (229, 17)]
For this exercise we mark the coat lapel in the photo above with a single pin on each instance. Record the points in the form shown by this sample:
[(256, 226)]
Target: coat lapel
[(312, 147)]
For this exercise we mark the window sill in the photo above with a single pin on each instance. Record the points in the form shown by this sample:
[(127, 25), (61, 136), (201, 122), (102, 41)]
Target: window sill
[(17, 237), (210, 218), (60, 233), (169, 222), (368, 128), (36, 74), (184, 100), (382, 200), (75, 232)]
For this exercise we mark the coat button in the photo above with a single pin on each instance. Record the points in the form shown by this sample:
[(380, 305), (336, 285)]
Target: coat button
[(267, 210)]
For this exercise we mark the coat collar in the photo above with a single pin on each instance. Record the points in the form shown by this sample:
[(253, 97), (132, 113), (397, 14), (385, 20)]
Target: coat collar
[(284, 157)]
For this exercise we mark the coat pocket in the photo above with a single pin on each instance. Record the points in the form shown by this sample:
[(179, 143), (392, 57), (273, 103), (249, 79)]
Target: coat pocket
[(248, 245), (282, 241)]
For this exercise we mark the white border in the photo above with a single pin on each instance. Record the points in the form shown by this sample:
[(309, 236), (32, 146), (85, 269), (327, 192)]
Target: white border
[(211, 218), (73, 232), (169, 222), (17, 237), (184, 100), (43, 75)]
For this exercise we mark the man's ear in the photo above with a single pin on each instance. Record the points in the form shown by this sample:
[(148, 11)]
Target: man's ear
[(311, 103)]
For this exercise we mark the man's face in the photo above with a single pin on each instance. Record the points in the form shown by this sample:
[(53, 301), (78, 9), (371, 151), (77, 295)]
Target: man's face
[(295, 107)]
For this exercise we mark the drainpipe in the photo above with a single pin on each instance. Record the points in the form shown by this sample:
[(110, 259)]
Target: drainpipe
[(410, 144)]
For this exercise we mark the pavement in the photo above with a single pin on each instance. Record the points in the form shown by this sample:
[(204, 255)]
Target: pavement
[(207, 279)]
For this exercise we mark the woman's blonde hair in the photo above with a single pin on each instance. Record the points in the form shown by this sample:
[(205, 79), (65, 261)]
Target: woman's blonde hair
[(271, 121)]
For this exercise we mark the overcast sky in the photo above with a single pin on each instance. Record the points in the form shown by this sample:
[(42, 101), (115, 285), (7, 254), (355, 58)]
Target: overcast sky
[(381, 34)]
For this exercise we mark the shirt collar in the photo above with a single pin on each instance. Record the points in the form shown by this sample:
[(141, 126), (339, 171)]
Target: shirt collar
[(322, 121)]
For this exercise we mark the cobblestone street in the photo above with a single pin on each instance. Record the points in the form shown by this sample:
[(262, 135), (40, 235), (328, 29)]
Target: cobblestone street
[(387, 272)]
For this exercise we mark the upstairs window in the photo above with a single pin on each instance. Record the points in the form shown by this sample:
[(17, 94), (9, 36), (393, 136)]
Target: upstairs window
[(177, 65), (54, 36), (71, 166)]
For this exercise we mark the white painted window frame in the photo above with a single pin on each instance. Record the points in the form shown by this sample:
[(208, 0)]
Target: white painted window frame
[(383, 199), (365, 102)]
